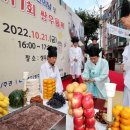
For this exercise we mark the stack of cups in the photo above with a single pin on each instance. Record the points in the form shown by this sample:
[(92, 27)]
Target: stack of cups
[(110, 90), (49, 88)]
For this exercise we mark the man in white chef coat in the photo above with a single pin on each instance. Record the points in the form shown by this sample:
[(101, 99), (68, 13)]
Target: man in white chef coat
[(125, 19), (50, 70), (75, 58)]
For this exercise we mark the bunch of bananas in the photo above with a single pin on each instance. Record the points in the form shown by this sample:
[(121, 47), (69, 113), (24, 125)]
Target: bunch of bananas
[(4, 102)]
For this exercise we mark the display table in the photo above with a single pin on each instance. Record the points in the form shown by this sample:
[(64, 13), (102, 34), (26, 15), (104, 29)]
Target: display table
[(69, 119)]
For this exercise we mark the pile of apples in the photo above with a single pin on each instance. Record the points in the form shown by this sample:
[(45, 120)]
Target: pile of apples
[(71, 89), (83, 111), (122, 118)]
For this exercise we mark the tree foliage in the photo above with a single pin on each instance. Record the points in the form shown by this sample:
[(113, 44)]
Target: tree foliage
[(90, 20)]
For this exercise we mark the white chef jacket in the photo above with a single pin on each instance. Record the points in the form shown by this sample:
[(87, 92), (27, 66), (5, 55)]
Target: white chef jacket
[(48, 71), (75, 67)]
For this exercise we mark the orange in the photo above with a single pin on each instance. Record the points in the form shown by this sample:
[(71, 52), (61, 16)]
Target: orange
[(119, 107), (127, 109), (123, 127), (115, 124), (115, 128), (117, 118), (125, 122), (115, 112), (125, 114)]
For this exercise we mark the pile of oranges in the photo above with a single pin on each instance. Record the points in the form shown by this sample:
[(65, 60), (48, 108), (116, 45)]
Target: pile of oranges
[(49, 88), (122, 118)]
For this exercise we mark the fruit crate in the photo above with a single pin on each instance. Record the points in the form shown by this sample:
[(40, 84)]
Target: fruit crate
[(59, 124)]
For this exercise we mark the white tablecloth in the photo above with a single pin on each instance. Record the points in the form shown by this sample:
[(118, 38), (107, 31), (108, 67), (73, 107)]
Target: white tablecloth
[(69, 119)]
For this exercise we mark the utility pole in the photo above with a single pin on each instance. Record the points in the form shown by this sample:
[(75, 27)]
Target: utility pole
[(100, 24)]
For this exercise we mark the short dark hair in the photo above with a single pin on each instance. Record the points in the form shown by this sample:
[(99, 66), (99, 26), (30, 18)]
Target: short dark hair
[(94, 51), (125, 8), (74, 39), (94, 38)]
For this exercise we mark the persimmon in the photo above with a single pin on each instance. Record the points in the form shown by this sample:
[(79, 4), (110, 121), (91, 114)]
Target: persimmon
[(83, 86), (78, 89), (70, 88), (69, 96), (69, 104), (75, 84), (70, 111)]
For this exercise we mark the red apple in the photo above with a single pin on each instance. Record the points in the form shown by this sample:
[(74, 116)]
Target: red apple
[(77, 94), (78, 122), (78, 112), (77, 100), (91, 128), (87, 103), (89, 113), (79, 128), (88, 95), (90, 123)]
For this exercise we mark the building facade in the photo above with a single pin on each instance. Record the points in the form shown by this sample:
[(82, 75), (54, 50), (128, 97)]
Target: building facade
[(114, 44)]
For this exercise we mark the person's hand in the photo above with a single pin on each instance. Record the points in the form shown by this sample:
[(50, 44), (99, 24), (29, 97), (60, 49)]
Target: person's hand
[(86, 80), (91, 80)]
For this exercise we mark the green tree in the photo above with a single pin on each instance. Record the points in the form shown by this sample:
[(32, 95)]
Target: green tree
[(90, 20)]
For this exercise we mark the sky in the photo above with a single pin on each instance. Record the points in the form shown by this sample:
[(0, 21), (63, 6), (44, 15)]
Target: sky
[(87, 4)]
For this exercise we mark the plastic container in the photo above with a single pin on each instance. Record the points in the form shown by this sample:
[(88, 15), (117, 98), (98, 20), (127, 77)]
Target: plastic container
[(110, 89)]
